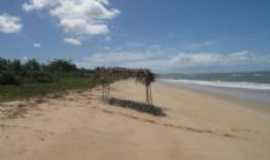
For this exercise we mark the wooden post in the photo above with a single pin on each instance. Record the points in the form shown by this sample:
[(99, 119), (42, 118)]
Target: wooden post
[(148, 93), (143, 76)]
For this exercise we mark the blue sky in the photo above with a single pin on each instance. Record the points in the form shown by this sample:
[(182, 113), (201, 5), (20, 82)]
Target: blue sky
[(166, 36)]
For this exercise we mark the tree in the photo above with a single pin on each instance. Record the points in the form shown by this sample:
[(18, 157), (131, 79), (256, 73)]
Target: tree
[(32, 66), (15, 66), (61, 66), (3, 64)]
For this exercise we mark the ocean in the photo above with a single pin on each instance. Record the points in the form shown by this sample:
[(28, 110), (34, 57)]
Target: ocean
[(248, 86)]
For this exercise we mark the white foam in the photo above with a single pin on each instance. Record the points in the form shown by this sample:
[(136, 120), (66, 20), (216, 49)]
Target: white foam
[(223, 84)]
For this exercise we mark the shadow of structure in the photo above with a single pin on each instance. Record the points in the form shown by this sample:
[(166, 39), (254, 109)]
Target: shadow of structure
[(137, 106)]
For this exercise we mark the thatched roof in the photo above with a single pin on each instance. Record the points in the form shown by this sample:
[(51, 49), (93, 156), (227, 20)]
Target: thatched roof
[(144, 76)]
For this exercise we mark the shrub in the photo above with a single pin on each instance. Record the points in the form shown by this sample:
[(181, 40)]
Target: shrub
[(3, 64), (15, 66), (40, 77), (61, 66), (8, 78), (32, 66)]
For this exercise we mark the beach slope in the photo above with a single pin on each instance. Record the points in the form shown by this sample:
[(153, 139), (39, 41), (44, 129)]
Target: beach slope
[(79, 126)]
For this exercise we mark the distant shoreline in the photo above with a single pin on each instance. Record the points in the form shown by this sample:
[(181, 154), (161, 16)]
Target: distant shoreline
[(255, 99)]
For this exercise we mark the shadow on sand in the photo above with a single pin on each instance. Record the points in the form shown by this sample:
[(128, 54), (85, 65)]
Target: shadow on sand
[(137, 106)]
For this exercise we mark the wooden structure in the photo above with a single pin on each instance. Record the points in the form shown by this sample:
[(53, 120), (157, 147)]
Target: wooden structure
[(109, 75)]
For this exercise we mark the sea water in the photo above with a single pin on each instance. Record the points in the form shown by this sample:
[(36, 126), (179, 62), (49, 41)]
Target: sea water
[(249, 86)]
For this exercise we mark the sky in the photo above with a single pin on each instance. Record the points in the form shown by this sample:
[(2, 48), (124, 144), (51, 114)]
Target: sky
[(175, 36)]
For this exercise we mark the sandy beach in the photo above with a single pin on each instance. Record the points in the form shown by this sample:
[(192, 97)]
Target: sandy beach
[(79, 126)]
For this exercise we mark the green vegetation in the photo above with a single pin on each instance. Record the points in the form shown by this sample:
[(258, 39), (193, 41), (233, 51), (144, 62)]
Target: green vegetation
[(25, 80)]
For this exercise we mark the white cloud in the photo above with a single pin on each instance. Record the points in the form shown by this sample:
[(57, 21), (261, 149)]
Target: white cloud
[(37, 4), (37, 45), (191, 59), (124, 59), (160, 61), (80, 18), (73, 41), (10, 24)]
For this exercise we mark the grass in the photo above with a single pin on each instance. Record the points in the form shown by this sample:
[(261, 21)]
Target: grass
[(28, 90)]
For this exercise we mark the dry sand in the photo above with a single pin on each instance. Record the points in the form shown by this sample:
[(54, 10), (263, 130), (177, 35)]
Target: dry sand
[(79, 126)]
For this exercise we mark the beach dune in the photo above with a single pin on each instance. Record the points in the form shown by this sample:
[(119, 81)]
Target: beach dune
[(79, 126)]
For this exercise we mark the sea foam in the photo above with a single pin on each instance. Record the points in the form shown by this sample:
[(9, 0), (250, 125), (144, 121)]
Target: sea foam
[(222, 84)]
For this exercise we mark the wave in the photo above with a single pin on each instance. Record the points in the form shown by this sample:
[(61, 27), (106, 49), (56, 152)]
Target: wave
[(222, 84)]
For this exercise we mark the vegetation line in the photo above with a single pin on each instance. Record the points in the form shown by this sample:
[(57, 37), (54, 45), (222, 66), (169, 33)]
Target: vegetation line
[(31, 78)]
